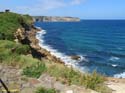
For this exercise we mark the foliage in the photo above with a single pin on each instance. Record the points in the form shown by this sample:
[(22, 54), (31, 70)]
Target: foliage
[(69, 76), (34, 70), (13, 47), (44, 90), (10, 22), (27, 19), (11, 53), (23, 49), (92, 80)]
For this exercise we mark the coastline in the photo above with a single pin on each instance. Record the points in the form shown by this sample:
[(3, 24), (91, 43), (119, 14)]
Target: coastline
[(55, 56), (36, 52), (42, 52), (49, 48), (67, 60)]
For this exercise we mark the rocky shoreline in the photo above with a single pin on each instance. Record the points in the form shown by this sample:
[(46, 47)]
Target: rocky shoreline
[(29, 37)]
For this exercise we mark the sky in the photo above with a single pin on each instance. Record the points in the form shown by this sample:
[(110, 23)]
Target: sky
[(84, 9)]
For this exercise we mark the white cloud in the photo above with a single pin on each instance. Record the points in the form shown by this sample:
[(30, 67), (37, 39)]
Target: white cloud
[(76, 2), (46, 5)]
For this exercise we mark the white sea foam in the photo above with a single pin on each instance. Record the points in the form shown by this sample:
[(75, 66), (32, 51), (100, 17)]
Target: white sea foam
[(113, 58), (65, 58), (114, 65), (119, 48), (121, 75)]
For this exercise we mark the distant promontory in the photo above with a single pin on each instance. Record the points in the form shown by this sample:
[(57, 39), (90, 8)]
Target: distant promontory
[(55, 19)]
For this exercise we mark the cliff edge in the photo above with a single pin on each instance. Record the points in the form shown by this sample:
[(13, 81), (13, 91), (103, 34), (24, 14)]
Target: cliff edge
[(55, 19)]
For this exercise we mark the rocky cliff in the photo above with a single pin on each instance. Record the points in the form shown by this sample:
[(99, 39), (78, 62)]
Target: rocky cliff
[(55, 19), (29, 37)]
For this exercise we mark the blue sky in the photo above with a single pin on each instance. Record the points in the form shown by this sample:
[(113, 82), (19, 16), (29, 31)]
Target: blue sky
[(85, 9)]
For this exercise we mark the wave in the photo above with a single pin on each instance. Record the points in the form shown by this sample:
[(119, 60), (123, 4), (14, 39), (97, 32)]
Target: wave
[(114, 65), (65, 58), (113, 58), (121, 75)]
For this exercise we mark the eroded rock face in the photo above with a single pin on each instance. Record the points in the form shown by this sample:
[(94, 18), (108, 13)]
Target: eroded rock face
[(29, 37), (19, 34), (36, 50)]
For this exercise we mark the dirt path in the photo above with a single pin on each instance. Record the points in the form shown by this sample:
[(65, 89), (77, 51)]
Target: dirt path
[(117, 85)]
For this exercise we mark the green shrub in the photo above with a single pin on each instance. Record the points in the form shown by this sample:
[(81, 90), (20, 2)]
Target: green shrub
[(27, 19), (44, 90), (34, 70), (10, 22), (12, 53), (14, 47), (69, 76), (93, 80), (22, 49), (5, 55), (102, 88)]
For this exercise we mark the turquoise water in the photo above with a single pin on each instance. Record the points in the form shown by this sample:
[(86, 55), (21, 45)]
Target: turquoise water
[(100, 42)]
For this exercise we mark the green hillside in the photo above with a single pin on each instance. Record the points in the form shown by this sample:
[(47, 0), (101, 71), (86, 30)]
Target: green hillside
[(10, 22)]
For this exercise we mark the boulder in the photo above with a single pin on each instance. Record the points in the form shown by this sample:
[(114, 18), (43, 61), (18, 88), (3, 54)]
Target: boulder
[(75, 57)]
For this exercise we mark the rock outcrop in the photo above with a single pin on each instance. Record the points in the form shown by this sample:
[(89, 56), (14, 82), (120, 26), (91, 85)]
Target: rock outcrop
[(19, 34), (29, 37), (55, 19), (75, 57)]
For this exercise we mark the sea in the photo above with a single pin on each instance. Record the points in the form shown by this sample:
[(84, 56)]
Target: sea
[(99, 43)]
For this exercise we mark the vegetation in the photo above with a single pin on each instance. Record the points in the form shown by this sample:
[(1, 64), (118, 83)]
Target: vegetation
[(23, 49), (16, 54), (35, 70), (12, 53), (10, 22), (69, 76), (44, 90)]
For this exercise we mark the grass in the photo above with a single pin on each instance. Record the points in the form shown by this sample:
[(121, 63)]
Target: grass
[(69, 76), (34, 70), (12, 53), (11, 47), (10, 22), (45, 90), (16, 54)]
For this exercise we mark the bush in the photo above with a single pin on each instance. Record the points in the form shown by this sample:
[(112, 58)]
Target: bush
[(69, 76), (44, 90), (23, 49), (10, 22), (5, 55), (13, 47), (34, 70), (12, 53), (93, 80)]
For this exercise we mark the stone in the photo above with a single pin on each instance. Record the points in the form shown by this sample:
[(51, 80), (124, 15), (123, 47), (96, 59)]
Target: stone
[(34, 81), (75, 57), (69, 91)]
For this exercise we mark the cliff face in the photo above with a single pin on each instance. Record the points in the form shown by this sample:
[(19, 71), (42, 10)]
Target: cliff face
[(55, 19), (29, 37)]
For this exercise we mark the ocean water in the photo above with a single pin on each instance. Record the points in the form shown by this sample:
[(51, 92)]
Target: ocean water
[(100, 43)]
